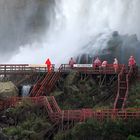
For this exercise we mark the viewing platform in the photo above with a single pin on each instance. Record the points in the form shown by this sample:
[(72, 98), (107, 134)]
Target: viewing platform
[(22, 69)]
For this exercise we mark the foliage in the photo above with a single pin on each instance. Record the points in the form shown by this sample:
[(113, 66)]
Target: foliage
[(130, 137), (30, 122), (106, 130), (63, 136), (77, 92), (134, 96)]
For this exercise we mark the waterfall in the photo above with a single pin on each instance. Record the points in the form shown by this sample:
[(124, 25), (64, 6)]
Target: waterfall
[(70, 25), (25, 90)]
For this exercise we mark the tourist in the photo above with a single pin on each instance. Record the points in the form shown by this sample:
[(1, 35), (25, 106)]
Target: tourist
[(48, 63), (115, 64), (131, 62), (97, 63), (104, 65), (71, 62)]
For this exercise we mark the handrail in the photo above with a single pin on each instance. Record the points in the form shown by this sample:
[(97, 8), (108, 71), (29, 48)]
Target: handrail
[(90, 68), (128, 76), (76, 115), (118, 92), (47, 83), (27, 68), (36, 86), (55, 103), (23, 68), (54, 79), (44, 82)]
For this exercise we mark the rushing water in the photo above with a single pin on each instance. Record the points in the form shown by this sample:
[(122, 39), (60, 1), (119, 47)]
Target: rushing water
[(25, 90), (66, 27)]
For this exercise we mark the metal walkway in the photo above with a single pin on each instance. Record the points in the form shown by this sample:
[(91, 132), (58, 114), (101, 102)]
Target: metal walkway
[(56, 114)]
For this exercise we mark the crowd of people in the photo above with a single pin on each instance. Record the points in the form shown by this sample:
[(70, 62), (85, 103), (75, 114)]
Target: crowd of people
[(98, 64)]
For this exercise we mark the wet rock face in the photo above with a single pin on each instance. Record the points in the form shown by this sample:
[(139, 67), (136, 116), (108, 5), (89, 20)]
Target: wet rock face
[(7, 89), (115, 45)]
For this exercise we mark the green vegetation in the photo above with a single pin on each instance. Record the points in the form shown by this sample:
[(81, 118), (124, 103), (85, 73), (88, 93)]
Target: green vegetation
[(26, 121), (30, 122), (82, 91), (134, 96), (106, 130), (130, 137)]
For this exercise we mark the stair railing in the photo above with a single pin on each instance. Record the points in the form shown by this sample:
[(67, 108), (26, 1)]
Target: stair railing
[(47, 78), (53, 80), (119, 79), (128, 78)]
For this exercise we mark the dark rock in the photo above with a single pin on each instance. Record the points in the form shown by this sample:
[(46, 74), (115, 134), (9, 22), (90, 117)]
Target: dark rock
[(7, 89), (3, 136)]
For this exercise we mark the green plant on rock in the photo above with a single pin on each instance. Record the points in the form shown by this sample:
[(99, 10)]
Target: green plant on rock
[(131, 137), (63, 136), (134, 96), (12, 131), (27, 134), (88, 130)]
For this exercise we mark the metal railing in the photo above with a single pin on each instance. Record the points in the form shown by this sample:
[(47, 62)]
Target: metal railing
[(28, 68), (22, 68), (109, 69), (119, 80), (55, 113)]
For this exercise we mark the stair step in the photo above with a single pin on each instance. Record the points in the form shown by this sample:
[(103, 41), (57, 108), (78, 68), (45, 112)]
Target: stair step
[(138, 78), (123, 88), (121, 98), (123, 82)]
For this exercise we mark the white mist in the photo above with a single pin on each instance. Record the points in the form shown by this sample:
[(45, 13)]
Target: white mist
[(76, 23)]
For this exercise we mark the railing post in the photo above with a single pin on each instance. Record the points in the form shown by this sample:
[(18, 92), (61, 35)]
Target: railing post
[(4, 71), (62, 119)]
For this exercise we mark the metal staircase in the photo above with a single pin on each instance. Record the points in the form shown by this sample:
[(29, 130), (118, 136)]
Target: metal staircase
[(40, 84), (56, 114), (52, 108), (45, 85), (123, 88), (54, 79), (132, 73)]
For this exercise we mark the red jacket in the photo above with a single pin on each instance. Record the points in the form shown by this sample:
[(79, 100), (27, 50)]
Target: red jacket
[(48, 62), (97, 62), (131, 61)]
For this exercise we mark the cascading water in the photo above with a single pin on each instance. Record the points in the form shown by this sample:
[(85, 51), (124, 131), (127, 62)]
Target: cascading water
[(78, 26), (25, 90)]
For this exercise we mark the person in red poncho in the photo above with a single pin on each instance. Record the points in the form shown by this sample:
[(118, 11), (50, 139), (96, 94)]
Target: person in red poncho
[(48, 63), (131, 62), (97, 63), (104, 65), (71, 62)]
